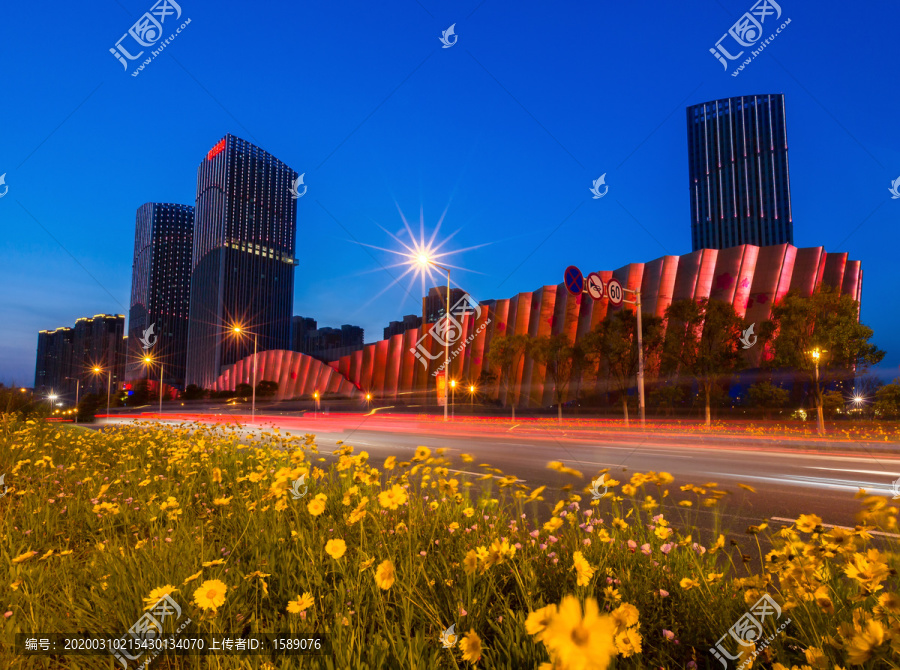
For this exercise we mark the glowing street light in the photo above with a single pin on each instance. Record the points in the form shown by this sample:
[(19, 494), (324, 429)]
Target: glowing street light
[(424, 260), (97, 370), (316, 398), (148, 361), (816, 355), (239, 330), (472, 398)]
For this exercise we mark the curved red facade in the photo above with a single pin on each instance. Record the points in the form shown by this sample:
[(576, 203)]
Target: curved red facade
[(750, 278)]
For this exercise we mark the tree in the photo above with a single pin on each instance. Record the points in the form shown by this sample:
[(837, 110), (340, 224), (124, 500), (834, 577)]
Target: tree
[(702, 341), (266, 389), (667, 396), (832, 401), (194, 392), (243, 390), (766, 396), (505, 353), (88, 406), (561, 358), (822, 338), (887, 400), (140, 393), (613, 343)]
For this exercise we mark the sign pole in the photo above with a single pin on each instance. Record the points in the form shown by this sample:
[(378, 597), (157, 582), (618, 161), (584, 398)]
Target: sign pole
[(640, 375)]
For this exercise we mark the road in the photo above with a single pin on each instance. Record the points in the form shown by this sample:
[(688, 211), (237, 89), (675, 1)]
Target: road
[(789, 479)]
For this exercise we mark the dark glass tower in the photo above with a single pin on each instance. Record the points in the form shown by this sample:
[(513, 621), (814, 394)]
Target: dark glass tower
[(243, 259), (739, 178), (160, 290)]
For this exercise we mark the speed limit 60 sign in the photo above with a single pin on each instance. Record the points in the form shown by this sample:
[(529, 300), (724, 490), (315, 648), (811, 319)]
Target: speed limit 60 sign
[(614, 291)]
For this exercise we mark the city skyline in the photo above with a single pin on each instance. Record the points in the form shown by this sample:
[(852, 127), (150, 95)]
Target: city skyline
[(398, 130)]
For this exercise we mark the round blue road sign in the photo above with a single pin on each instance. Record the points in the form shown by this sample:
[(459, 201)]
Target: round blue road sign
[(574, 280)]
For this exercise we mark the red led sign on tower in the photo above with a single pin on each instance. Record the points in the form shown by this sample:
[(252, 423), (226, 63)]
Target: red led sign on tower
[(216, 150)]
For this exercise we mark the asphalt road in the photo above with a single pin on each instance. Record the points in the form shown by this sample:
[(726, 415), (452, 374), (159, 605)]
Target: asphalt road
[(789, 479)]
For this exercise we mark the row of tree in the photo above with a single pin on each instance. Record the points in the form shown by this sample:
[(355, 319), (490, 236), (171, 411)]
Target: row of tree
[(818, 337)]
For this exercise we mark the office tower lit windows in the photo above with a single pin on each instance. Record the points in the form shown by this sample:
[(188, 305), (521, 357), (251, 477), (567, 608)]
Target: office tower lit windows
[(242, 268), (160, 289), (739, 178)]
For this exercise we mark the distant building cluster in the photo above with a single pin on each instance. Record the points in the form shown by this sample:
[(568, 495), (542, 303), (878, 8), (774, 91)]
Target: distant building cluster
[(325, 344), (67, 357)]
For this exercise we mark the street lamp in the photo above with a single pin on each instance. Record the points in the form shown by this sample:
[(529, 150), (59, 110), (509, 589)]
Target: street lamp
[(148, 361), (368, 399), (816, 355), (77, 386), (424, 260), (316, 397), (97, 370), (471, 398), (238, 330), (453, 397)]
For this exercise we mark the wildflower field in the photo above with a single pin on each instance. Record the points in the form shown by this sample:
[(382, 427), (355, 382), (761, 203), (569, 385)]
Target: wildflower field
[(265, 534)]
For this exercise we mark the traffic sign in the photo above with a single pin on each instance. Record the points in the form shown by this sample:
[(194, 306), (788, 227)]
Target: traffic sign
[(574, 280), (595, 286), (614, 292)]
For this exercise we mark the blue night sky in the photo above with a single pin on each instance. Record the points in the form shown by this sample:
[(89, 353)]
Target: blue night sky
[(499, 135)]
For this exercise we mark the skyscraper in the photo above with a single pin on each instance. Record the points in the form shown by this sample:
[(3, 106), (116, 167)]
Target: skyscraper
[(160, 289), (739, 178), (242, 268)]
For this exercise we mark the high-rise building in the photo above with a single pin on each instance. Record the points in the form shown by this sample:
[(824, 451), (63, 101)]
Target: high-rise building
[(67, 356), (400, 327), (302, 327), (434, 304), (739, 178), (160, 289), (242, 267)]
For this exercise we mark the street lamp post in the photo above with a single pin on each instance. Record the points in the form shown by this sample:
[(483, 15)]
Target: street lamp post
[(472, 399), (816, 354), (640, 374), (316, 398), (97, 370), (423, 259), (149, 361), (452, 398), (238, 330)]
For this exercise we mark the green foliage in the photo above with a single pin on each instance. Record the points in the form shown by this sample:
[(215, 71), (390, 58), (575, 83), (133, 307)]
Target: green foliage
[(266, 389), (243, 390), (193, 392), (612, 346), (887, 400), (832, 401), (505, 354), (561, 358), (702, 342), (767, 396), (827, 322)]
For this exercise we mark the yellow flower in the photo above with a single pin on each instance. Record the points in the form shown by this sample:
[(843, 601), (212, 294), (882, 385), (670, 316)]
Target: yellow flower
[(628, 642), (335, 548), (393, 497), (106, 509), (21, 558), (453, 527), (316, 506), (580, 640), (210, 595), (748, 488), (553, 524), (687, 584), (194, 576), (47, 555), (537, 621), (890, 602), (222, 502), (625, 616), (612, 593), (301, 603), (620, 524), (389, 463), (714, 577), (358, 513), (583, 569), (15, 585), (471, 646), (466, 458), (384, 575), (628, 490), (468, 512), (365, 565), (470, 562), (422, 453), (865, 642), (217, 475), (806, 523), (157, 594), (210, 564)]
